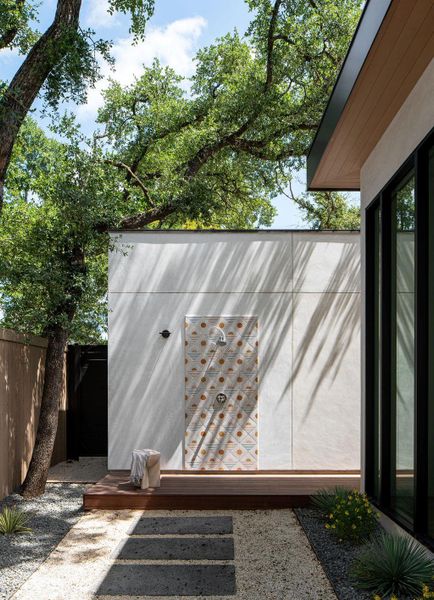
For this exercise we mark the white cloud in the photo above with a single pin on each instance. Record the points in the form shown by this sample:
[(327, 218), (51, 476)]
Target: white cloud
[(98, 17), (174, 45)]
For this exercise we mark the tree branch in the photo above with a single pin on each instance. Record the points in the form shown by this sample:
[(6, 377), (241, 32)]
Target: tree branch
[(270, 44), (257, 149), (140, 220), (285, 38), (132, 175), (30, 77), (165, 133)]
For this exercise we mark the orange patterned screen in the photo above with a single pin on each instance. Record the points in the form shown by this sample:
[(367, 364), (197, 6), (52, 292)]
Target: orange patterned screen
[(221, 393)]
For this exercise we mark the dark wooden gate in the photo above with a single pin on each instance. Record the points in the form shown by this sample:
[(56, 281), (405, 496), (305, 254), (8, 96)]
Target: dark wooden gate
[(87, 399)]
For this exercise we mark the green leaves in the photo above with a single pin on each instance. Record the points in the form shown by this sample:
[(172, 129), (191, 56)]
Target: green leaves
[(56, 198), (15, 28), (348, 514), (140, 10), (76, 52), (212, 151), (79, 69), (325, 500), (393, 564), (218, 153), (352, 518), (329, 210), (13, 520)]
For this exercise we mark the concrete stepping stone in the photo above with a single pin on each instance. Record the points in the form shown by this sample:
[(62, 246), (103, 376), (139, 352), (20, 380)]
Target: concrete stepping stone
[(183, 525), (169, 580), (164, 548)]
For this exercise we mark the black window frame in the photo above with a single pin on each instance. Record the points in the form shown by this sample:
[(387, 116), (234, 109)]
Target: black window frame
[(419, 162)]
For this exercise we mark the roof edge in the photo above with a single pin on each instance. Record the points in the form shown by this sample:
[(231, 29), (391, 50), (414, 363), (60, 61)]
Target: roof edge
[(367, 29), (250, 231)]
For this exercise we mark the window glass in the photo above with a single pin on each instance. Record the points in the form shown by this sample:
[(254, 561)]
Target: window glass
[(431, 346), (403, 348), (377, 353)]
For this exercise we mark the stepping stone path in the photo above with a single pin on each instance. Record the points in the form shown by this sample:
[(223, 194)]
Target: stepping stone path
[(174, 556)]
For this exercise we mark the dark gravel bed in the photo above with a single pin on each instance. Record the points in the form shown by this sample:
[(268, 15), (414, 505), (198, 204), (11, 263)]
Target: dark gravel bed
[(335, 557), (52, 516)]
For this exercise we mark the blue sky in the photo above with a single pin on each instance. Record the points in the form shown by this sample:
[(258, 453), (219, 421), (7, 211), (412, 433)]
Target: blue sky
[(175, 32)]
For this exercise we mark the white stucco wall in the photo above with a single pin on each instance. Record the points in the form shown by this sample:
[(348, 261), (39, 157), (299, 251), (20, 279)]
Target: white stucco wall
[(305, 290), (411, 124)]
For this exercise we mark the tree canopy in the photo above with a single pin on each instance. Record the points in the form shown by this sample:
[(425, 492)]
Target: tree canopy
[(245, 124), (61, 63), (53, 266), (212, 151), (328, 210)]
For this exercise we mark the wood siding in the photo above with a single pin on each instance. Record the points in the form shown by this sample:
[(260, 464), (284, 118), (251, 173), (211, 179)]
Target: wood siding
[(402, 50), (22, 362)]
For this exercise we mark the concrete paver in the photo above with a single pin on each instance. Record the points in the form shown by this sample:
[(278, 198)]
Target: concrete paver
[(273, 559)]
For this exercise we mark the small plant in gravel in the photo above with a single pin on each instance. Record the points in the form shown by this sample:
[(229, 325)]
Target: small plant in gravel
[(13, 520), (352, 519), (393, 565), (325, 500), (427, 593)]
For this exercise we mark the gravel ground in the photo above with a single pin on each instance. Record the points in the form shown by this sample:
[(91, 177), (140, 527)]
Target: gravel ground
[(273, 558), (52, 516), (336, 557)]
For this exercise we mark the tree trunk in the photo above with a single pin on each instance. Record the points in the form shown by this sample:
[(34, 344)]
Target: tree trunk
[(34, 483), (30, 77), (36, 478)]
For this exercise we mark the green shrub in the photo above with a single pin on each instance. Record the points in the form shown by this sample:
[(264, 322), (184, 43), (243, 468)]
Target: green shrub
[(352, 519), (393, 565), (13, 520), (325, 500)]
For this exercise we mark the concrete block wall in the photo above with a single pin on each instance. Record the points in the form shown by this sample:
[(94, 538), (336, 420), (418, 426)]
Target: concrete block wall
[(305, 289)]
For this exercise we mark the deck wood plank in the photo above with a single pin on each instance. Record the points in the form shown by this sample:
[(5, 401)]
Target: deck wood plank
[(216, 491)]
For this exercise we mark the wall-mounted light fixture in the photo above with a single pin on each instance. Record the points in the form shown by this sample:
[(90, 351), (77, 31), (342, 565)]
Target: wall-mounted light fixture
[(165, 333)]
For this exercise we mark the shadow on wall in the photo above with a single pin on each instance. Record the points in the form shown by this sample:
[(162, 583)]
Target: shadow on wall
[(333, 322), (405, 357), (303, 287)]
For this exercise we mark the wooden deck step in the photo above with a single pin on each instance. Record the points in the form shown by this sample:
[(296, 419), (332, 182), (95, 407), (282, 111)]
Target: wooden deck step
[(257, 490)]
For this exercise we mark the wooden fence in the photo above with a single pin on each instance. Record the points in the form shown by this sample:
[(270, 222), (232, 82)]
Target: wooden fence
[(22, 360)]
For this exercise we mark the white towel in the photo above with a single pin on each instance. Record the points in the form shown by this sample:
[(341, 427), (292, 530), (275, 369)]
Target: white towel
[(139, 460)]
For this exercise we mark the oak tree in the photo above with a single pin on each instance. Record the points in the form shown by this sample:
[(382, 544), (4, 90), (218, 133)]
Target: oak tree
[(211, 151), (244, 124), (61, 62)]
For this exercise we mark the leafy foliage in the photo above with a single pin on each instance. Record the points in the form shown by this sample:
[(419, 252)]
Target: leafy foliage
[(79, 50), (404, 207), (13, 520), (328, 210), (56, 256), (246, 123), (220, 147), (352, 518), (209, 152), (15, 24), (79, 69), (325, 499), (393, 564), (139, 11)]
